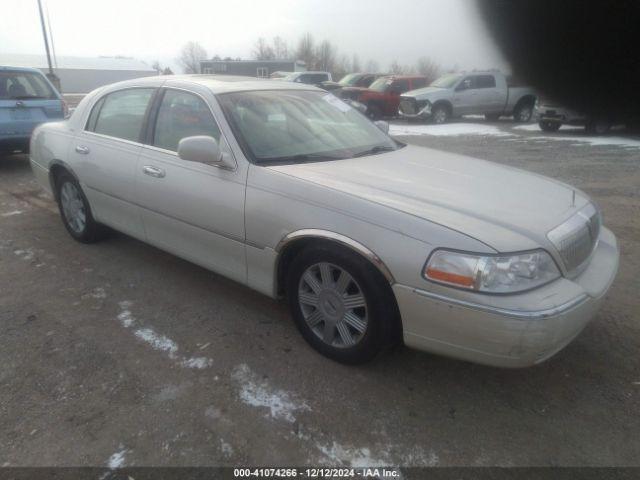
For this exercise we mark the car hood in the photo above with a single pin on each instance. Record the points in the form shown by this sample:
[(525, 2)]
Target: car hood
[(425, 93), (505, 208)]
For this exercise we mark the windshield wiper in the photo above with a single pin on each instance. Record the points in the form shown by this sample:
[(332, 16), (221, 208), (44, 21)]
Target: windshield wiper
[(374, 150), (301, 158)]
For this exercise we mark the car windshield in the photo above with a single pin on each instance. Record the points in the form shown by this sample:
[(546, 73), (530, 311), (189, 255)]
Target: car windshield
[(289, 126), (17, 85), (350, 79), (381, 84), (446, 81)]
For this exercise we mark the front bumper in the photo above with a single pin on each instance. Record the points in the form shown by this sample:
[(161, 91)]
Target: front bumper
[(511, 330), (414, 111)]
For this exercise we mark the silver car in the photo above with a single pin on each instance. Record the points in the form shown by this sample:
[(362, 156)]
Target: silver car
[(288, 190)]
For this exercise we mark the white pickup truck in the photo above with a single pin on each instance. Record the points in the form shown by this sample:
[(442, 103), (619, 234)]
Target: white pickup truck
[(491, 94)]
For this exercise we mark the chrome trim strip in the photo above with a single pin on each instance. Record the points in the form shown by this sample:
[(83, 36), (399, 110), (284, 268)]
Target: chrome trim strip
[(518, 314), (336, 237)]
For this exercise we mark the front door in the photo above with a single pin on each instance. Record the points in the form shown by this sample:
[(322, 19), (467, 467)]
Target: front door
[(191, 209)]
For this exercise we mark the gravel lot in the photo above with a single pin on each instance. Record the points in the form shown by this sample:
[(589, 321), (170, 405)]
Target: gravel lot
[(119, 354)]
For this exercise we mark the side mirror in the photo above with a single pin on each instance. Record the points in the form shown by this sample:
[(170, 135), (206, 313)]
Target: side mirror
[(382, 125), (202, 149)]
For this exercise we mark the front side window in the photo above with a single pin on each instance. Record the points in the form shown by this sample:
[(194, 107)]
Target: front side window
[(446, 81), (17, 85), (400, 86), (121, 114), (381, 84), (182, 115), (296, 126)]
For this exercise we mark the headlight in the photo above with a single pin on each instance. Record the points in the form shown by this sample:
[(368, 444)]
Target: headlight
[(491, 273)]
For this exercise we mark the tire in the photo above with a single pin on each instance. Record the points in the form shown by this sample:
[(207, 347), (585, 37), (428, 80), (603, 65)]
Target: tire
[(598, 127), (491, 117), (321, 314), (75, 211), (547, 126), (374, 112), (523, 112), (440, 114)]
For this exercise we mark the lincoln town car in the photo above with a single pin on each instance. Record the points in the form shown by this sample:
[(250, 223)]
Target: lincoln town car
[(288, 190)]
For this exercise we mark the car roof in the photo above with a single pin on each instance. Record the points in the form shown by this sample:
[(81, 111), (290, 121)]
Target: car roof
[(8, 68), (218, 84)]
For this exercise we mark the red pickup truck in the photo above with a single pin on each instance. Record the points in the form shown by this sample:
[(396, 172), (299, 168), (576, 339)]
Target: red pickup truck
[(383, 96)]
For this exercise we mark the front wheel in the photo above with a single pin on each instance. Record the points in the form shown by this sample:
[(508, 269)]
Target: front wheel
[(340, 304), (440, 114), (76, 212), (546, 126), (598, 127)]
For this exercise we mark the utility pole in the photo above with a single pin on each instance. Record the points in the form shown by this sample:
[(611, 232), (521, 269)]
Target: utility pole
[(51, 75)]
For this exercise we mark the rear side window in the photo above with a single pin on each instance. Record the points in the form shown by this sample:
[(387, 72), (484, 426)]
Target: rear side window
[(182, 115), (400, 86), (17, 85), (121, 114), (485, 81)]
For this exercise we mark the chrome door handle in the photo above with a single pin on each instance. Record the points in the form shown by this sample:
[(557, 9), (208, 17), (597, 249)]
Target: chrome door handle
[(82, 149), (153, 171)]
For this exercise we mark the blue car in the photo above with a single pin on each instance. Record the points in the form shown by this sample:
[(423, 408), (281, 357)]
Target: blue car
[(27, 99)]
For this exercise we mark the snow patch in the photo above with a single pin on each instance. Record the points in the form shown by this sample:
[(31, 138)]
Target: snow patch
[(97, 293), (450, 129), (158, 341), (11, 214), (117, 459), (226, 448), (258, 393), (24, 254), (353, 457), (593, 141)]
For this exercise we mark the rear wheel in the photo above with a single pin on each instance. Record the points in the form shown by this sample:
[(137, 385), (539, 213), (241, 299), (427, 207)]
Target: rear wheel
[(341, 304), (547, 126), (523, 112), (374, 112), (76, 212)]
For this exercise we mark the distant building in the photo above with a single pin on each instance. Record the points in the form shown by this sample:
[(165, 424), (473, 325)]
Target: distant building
[(250, 68), (83, 74)]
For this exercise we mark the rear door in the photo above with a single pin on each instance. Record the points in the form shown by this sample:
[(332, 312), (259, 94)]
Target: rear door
[(27, 99), (490, 97), (105, 153)]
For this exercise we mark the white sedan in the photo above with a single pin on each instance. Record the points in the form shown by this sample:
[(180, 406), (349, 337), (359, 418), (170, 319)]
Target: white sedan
[(288, 190)]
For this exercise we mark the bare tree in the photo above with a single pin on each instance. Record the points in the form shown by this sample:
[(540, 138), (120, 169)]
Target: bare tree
[(190, 57), (263, 51), (372, 66), (341, 67), (325, 56), (157, 67), (395, 68), (355, 63), (280, 48), (306, 51), (427, 67)]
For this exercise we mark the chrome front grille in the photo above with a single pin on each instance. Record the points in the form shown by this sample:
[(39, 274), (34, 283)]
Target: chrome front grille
[(576, 238), (408, 106)]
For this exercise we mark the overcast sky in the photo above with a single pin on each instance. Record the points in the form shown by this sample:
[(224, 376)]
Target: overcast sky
[(448, 31)]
